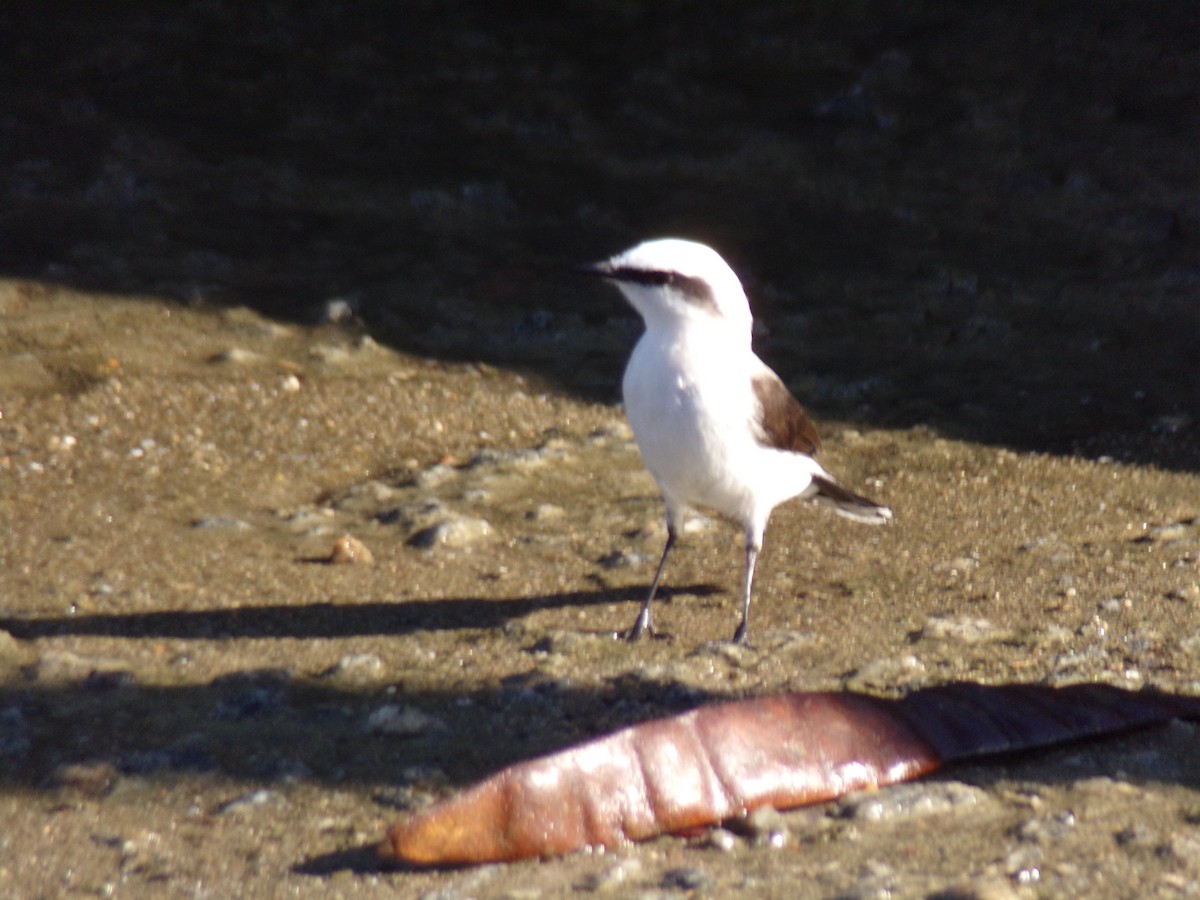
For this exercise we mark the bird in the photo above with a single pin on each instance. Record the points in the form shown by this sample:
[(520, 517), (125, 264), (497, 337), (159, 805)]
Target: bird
[(715, 426)]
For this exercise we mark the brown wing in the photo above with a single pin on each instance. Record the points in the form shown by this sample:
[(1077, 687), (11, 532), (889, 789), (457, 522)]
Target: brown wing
[(784, 424)]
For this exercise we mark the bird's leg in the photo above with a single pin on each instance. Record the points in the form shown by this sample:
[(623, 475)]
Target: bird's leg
[(642, 626), (753, 545)]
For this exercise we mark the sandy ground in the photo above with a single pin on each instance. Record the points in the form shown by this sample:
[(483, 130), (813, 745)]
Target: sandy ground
[(273, 276)]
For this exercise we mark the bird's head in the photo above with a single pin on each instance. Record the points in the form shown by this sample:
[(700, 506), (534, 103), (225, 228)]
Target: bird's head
[(672, 282)]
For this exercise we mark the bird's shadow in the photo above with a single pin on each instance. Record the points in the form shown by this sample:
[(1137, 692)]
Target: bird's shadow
[(329, 620)]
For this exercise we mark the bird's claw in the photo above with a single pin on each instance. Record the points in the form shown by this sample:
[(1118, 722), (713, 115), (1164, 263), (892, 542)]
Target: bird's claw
[(642, 629)]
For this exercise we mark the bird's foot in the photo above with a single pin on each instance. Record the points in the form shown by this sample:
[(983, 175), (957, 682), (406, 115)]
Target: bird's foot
[(741, 637), (642, 629)]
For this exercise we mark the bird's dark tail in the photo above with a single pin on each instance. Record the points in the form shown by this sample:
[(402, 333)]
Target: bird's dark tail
[(849, 504)]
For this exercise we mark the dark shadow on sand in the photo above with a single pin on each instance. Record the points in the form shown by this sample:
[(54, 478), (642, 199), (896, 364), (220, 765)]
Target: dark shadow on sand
[(978, 218), (323, 620)]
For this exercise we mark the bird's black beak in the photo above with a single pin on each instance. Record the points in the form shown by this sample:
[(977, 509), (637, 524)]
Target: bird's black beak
[(595, 270)]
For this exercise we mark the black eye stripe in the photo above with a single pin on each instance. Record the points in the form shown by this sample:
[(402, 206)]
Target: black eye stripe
[(696, 290)]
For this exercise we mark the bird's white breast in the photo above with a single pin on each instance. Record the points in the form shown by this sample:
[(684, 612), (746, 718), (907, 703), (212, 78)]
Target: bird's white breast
[(689, 399)]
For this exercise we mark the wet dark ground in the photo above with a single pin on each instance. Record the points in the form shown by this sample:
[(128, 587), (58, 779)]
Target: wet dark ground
[(274, 272)]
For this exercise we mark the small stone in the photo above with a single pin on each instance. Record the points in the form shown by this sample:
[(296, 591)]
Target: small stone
[(766, 827), (688, 878), (243, 802), (546, 512), (412, 516), (1023, 865), (720, 839), (969, 629), (434, 476), (1044, 829), (1188, 593), (458, 532), (1135, 835), (623, 559), (331, 354), (314, 522), (403, 721), (612, 877), (910, 801), (235, 356), (1165, 533), (349, 550), (356, 670), (62, 442), (1112, 605), (215, 522), (886, 672), (337, 310)]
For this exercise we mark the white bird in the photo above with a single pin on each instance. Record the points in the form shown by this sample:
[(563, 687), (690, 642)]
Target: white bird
[(715, 426)]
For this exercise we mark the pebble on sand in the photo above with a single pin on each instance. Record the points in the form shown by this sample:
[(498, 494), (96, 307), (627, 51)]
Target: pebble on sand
[(349, 550), (356, 670), (910, 801), (968, 629), (454, 532), (403, 721)]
